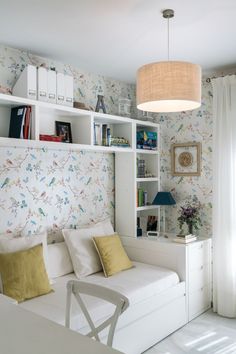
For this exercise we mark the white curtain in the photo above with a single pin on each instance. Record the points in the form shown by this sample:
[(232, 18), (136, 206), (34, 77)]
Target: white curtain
[(224, 196)]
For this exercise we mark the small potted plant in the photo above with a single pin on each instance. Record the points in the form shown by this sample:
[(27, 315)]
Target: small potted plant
[(190, 215)]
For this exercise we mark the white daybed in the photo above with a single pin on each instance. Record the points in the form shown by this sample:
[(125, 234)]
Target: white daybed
[(157, 305)]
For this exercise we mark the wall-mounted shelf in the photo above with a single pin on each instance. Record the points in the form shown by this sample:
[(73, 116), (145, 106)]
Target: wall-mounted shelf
[(151, 152), (82, 123), (147, 207), (147, 179)]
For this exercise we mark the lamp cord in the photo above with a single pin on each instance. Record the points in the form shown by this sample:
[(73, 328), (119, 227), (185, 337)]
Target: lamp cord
[(168, 13), (168, 39)]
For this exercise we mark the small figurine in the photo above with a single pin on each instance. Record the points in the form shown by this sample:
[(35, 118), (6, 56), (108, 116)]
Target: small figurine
[(100, 104)]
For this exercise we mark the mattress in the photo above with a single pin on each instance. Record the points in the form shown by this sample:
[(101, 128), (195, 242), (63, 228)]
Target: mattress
[(139, 283)]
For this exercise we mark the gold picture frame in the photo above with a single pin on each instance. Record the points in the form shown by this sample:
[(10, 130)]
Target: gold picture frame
[(186, 159)]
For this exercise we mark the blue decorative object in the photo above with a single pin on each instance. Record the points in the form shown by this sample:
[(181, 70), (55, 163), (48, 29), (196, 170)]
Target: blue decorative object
[(146, 140), (163, 198)]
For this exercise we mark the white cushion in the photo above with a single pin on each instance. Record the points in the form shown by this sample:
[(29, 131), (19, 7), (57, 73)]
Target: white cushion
[(139, 284), (59, 261), (14, 244), (83, 254)]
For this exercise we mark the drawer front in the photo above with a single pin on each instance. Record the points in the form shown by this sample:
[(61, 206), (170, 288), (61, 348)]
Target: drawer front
[(199, 301), (198, 254), (199, 277)]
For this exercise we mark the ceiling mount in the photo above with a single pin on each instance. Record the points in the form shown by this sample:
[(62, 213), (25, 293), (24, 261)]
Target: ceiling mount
[(168, 13)]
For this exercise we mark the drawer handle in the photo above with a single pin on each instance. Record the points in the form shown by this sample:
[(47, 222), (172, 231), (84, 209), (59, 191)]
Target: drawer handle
[(202, 289), (201, 245), (201, 267)]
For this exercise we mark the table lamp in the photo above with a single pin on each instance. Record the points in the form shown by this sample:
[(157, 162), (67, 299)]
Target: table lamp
[(163, 198)]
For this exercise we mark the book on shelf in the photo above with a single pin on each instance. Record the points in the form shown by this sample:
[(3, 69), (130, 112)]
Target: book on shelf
[(146, 140), (104, 135), (20, 122), (185, 237), (27, 123), (97, 134), (141, 197), (46, 137), (119, 142), (183, 240)]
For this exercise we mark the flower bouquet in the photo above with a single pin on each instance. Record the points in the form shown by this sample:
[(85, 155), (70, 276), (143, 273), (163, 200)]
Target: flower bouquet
[(190, 215)]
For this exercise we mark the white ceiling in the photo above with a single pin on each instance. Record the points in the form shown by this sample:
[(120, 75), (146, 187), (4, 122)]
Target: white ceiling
[(115, 37)]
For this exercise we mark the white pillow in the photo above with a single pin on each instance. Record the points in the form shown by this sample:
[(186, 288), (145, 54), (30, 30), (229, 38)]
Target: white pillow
[(59, 261), (55, 236), (83, 254), (14, 244)]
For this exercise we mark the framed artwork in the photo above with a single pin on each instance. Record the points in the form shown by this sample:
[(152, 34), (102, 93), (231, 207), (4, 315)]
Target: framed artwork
[(186, 159), (63, 129), (152, 223)]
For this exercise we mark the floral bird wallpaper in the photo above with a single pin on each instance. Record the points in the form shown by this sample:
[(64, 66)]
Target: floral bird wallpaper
[(50, 190)]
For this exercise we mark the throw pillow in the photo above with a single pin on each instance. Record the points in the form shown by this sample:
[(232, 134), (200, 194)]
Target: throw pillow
[(9, 243), (84, 257), (59, 261), (13, 244), (112, 254), (23, 274)]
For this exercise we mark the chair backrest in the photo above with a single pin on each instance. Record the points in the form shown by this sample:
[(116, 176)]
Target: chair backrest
[(77, 287)]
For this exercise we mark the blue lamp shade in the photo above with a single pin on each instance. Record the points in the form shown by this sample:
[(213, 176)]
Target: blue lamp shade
[(163, 198)]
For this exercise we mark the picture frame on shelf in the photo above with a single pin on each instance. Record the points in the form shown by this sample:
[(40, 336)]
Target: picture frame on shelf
[(186, 159), (63, 130), (152, 223)]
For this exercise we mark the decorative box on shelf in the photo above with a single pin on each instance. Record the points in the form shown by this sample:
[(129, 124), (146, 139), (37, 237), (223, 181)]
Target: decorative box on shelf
[(124, 107)]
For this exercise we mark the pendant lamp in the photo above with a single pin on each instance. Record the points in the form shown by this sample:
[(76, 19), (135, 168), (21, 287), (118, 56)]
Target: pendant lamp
[(169, 86)]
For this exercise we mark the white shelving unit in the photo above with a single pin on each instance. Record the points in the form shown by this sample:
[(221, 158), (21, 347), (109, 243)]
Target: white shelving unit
[(82, 123), (127, 184)]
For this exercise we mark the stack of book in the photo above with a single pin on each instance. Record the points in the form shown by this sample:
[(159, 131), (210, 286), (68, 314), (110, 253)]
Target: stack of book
[(141, 197), (55, 138), (20, 122), (185, 238)]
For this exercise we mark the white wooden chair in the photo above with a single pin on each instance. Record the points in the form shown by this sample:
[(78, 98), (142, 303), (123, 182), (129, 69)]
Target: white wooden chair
[(77, 287)]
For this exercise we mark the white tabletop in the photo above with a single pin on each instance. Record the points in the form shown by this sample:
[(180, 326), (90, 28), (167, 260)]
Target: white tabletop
[(23, 332)]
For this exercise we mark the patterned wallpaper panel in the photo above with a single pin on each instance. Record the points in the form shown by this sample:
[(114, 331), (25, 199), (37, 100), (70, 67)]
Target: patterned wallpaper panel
[(183, 127), (86, 85), (47, 189)]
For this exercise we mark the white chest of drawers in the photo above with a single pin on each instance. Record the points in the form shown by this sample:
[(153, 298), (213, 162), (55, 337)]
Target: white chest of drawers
[(192, 262), (198, 277)]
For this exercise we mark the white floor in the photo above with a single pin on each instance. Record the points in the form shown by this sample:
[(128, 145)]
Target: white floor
[(207, 334)]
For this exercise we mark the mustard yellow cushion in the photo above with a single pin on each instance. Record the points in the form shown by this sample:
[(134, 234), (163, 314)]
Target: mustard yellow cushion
[(112, 254), (24, 274)]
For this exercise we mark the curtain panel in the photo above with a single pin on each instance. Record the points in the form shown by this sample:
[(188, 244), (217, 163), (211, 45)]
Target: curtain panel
[(224, 195)]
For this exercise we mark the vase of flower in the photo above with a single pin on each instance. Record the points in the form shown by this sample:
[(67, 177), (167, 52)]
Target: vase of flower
[(190, 215), (190, 228)]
